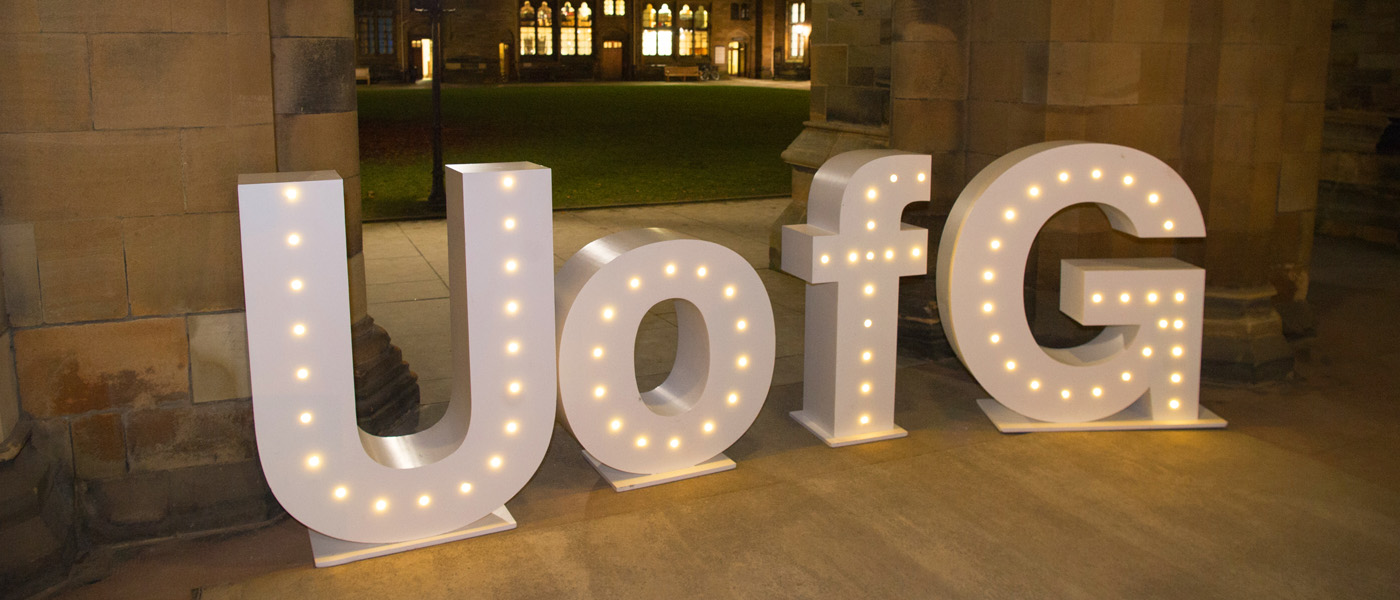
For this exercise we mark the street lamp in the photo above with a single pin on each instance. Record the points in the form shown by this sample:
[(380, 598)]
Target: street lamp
[(437, 197)]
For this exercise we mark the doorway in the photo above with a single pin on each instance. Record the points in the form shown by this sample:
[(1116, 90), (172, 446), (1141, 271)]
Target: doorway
[(612, 60), (427, 45), (734, 58), (504, 55)]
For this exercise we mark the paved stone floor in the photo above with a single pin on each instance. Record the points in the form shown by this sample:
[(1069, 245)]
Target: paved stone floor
[(1298, 498)]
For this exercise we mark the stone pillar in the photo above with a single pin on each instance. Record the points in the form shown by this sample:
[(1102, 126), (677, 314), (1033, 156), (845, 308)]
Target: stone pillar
[(1360, 192), (1255, 85), (929, 91), (36, 519), (1227, 92), (313, 60), (9, 388), (122, 129), (850, 97)]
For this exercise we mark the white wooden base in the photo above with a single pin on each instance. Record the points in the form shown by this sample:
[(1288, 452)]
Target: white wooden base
[(836, 442), (622, 481), (1135, 417), (330, 551)]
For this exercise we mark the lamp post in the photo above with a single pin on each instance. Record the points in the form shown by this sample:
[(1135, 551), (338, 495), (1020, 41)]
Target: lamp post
[(437, 196)]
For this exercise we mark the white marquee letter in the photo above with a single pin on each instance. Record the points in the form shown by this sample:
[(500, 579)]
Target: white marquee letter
[(353, 486), (724, 354), (853, 250), (1151, 307)]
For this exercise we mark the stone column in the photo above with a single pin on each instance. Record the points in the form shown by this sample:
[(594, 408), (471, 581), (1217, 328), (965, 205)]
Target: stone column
[(1229, 93), (1252, 137), (37, 523), (313, 60), (1360, 194), (9, 387), (850, 97), (928, 89)]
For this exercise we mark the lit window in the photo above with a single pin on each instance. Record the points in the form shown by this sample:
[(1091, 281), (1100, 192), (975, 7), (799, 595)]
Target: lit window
[(575, 30), (568, 26), (693, 37), (702, 32), (536, 31), (686, 32), (585, 30), (656, 31), (798, 30)]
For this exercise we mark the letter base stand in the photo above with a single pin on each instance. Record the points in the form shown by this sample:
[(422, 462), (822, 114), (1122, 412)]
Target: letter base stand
[(850, 440), (331, 551), (622, 481), (1135, 417)]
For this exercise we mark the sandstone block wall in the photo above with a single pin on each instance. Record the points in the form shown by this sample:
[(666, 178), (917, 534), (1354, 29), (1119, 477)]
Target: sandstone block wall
[(122, 128), (1228, 92), (1360, 171)]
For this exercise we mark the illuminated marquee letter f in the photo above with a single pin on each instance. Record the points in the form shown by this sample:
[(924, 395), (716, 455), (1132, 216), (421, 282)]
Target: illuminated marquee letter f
[(365, 495), (853, 250)]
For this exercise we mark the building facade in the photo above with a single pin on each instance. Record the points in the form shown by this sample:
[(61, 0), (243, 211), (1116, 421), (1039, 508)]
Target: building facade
[(579, 40)]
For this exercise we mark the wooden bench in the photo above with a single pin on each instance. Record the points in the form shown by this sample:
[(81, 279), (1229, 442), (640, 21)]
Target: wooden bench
[(362, 73), (682, 72)]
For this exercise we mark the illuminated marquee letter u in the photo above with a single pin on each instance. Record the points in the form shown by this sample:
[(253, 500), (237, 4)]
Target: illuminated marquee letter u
[(1149, 350), (437, 484)]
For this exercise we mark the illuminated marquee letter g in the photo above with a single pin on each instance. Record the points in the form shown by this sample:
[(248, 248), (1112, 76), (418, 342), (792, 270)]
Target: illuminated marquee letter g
[(1150, 307)]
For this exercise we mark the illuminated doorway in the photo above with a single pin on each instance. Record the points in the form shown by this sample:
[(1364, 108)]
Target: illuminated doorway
[(734, 58), (504, 56), (427, 45)]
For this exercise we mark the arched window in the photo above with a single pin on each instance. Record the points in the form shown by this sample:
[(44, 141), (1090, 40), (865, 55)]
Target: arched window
[(615, 8), (686, 37), (568, 25), (694, 34), (544, 32), (585, 29), (798, 30), (527, 29), (575, 30), (651, 33)]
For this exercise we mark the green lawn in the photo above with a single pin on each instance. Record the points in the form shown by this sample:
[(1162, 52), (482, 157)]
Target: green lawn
[(607, 144)]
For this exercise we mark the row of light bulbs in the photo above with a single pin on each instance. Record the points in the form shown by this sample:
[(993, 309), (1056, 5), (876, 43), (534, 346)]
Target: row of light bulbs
[(1034, 192), (872, 194)]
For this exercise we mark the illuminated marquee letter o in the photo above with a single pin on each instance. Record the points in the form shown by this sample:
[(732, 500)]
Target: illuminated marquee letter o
[(1151, 307), (724, 354)]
